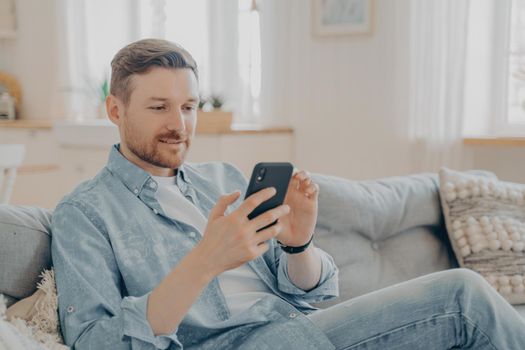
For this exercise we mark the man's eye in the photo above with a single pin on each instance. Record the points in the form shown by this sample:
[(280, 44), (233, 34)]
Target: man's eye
[(158, 108), (190, 108)]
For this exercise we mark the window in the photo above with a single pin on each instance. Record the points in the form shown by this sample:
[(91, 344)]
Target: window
[(516, 64), (494, 102), (222, 35), (249, 55), (181, 21)]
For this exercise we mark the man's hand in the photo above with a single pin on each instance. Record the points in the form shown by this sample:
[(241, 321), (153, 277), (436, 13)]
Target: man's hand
[(228, 242), (302, 196), (232, 240)]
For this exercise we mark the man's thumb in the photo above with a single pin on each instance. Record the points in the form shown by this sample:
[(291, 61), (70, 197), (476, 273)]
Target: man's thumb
[(222, 204)]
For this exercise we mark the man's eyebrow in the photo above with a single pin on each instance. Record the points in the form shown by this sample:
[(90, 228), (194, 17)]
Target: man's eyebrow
[(155, 98)]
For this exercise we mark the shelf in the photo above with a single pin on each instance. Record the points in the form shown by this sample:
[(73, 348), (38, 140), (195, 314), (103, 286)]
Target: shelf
[(27, 124), (241, 129), (495, 141), (37, 168), (101, 132)]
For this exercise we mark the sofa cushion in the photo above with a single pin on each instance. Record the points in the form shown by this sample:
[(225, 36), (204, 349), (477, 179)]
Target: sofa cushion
[(485, 218), (381, 232), (24, 249)]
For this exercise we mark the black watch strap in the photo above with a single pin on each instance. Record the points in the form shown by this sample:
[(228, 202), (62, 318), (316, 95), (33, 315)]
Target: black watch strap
[(295, 250)]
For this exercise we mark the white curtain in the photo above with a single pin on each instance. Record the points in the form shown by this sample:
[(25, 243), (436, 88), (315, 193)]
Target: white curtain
[(276, 18), (223, 74), (438, 38), (89, 35)]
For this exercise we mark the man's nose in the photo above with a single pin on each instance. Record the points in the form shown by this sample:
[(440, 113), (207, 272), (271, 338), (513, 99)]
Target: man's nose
[(177, 121)]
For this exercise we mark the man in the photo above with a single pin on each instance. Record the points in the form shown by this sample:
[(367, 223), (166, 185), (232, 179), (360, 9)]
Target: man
[(156, 253)]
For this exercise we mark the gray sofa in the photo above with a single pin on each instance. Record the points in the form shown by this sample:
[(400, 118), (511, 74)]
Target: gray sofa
[(379, 232)]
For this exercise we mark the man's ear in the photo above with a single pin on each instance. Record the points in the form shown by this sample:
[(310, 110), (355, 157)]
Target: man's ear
[(115, 109)]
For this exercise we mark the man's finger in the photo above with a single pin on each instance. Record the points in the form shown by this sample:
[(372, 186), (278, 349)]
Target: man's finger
[(312, 190), (222, 204), (254, 200), (270, 216), (305, 184), (262, 248), (302, 175), (268, 233), (294, 183)]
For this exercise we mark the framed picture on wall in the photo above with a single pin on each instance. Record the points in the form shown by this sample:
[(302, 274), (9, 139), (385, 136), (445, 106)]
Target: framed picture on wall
[(342, 17), (7, 18)]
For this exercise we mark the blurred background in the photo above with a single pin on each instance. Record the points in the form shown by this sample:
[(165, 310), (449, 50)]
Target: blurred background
[(361, 89)]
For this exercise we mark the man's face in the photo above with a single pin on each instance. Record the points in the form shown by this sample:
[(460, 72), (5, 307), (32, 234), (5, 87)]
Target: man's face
[(157, 126)]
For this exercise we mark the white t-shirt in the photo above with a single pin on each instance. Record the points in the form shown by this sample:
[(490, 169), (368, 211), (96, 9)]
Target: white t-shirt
[(241, 286)]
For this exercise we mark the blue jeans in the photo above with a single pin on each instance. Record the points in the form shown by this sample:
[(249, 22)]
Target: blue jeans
[(444, 310)]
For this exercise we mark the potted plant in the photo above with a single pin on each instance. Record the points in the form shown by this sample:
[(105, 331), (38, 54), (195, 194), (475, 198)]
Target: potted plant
[(103, 92), (211, 117)]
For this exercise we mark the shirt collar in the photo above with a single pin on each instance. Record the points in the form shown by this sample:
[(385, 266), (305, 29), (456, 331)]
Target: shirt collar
[(133, 176)]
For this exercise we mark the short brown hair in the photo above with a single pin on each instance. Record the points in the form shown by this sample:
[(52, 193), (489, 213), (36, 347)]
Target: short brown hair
[(139, 57)]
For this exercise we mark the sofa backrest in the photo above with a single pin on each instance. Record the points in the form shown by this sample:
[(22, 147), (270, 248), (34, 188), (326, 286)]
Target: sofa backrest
[(25, 243), (381, 232)]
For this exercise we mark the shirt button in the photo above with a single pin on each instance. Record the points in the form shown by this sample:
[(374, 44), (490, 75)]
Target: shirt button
[(70, 309), (136, 191), (192, 234), (152, 184), (293, 315), (155, 211)]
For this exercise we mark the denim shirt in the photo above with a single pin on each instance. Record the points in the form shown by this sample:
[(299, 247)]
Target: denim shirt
[(112, 244)]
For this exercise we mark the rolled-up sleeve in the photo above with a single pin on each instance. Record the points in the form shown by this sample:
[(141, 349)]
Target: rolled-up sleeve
[(93, 312), (327, 288)]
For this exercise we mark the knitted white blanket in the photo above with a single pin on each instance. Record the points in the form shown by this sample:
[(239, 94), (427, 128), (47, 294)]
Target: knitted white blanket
[(11, 338), (33, 322)]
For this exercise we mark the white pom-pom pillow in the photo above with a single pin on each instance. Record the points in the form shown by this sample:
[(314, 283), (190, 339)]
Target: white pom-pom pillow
[(485, 220)]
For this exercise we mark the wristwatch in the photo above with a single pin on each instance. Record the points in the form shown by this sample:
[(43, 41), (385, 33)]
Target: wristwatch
[(295, 250)]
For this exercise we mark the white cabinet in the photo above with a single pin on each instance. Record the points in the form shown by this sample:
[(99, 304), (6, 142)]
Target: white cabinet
[(72, 164), (42, 188)]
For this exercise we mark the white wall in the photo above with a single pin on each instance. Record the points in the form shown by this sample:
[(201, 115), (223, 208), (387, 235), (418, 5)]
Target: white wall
[(346, 97)]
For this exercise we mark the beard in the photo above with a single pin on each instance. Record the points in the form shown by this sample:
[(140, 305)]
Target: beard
[(153, 151)]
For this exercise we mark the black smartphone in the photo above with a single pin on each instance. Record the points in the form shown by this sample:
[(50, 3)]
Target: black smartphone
[(277, 175)]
